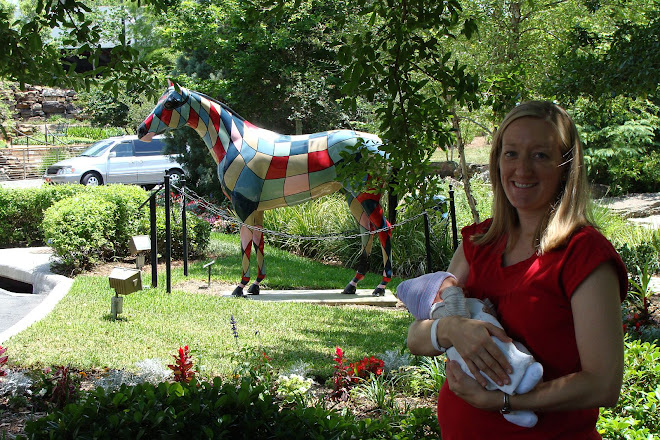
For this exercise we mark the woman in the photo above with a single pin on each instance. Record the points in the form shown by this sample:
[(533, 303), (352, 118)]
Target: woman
[(556, 282)]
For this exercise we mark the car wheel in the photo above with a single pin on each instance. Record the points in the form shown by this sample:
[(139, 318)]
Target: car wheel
[(91, 179), (175, 176)]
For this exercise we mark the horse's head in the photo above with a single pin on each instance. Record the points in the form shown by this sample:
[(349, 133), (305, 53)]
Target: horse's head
[(171, 112)]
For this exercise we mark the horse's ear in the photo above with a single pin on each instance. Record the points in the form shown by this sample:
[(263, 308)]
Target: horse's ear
[(176, 86)]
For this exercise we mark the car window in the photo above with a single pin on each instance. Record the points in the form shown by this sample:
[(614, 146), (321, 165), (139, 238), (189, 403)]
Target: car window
[(125, 149), (97, 149), (153, 148)]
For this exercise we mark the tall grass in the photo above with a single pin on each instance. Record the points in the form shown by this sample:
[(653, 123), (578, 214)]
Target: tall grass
[(329, 216)]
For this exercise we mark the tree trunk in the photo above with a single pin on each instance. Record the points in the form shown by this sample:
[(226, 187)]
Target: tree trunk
[(456, 123), (392, 201)]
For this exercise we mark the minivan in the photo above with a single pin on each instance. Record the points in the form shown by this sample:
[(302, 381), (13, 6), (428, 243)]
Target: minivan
[(121, 159)]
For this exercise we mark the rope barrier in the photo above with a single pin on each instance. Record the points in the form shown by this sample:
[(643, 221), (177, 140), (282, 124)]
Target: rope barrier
[(191, 195)]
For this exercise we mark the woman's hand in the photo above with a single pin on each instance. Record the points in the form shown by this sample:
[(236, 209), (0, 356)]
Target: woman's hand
[(469, 390), (472, 340)]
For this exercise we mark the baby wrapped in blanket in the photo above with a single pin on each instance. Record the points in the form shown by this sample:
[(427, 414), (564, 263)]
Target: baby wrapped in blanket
[(420, 297)]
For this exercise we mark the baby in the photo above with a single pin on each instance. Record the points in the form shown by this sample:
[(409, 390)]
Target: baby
[(422, 298)]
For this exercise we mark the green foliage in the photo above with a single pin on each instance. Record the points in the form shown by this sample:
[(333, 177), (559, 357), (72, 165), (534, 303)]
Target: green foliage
[(376, 390), (636, 415), (612, 51), (401, 62), (89, 224), (199, 232), (330, 216), (28, 55), (622, 140), (127, 219), (415, 381), (105, 109), (93, 133), (215, 410), (289, 50), (22, 212), (435, 368), (640, 255), (80, 229)]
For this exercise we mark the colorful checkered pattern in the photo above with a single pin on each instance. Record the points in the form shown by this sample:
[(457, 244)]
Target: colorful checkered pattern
[(260, 169)]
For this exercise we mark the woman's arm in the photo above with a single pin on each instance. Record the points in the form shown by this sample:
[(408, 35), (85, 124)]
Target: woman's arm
[(471, 338), (596, 312)]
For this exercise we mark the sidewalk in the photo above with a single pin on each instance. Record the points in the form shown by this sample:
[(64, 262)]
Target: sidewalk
[(27, 183), (31, 266)]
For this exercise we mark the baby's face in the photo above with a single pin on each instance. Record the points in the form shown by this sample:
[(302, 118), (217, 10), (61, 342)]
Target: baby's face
[(449, 281)]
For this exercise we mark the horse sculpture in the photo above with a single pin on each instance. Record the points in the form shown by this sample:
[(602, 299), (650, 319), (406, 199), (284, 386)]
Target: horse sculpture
[(260, 170)]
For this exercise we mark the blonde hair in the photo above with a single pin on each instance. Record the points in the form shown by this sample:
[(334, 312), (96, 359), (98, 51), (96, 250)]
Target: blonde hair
[(570, 212)]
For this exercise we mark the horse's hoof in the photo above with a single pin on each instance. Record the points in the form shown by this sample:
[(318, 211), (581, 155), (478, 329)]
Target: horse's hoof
[(238, 291), (253, 289), (378, 291), (349, 289)]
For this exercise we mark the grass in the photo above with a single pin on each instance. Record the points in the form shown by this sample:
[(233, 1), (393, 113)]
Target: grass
[(479, 154), (80, 331)]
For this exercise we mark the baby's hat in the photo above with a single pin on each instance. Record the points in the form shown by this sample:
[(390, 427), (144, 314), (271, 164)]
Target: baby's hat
[(418, 293)]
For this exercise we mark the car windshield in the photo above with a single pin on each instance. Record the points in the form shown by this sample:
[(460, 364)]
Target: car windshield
[(97, 149)]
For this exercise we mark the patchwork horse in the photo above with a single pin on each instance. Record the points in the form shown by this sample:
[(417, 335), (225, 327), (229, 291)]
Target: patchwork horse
[(260, 170)]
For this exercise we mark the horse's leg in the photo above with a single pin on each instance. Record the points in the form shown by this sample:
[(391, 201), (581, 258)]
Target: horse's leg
[(258, 240), (246, 249), (365, 225), (371, 205)]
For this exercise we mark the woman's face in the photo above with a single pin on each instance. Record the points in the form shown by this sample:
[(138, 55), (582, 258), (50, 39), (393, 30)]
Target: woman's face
[(529, 163)]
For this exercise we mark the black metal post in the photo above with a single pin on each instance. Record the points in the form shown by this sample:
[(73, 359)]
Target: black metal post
[(185, 228), (168, 236), (427, 237), (452, 212), (154, 240)]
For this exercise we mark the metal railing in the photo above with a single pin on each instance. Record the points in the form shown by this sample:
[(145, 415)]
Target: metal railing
[(31, 161)]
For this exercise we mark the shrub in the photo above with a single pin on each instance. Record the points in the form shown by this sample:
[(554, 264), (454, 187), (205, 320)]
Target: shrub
[(22, 212), (86, 225), (216, 410), (621, 139), (636, 415), (127, 199), (81, 230), (199, 233)]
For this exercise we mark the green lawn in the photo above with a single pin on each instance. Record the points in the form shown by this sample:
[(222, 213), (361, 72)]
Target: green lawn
[(478, 154), (80, 331)]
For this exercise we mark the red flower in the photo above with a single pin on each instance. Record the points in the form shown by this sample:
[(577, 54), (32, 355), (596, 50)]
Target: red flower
[(182, 367), (3, 361)]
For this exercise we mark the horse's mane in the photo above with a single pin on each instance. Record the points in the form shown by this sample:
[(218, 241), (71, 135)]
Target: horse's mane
[(222, 104)]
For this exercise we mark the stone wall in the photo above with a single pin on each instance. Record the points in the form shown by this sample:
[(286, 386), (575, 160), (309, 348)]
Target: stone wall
[(37, 103)]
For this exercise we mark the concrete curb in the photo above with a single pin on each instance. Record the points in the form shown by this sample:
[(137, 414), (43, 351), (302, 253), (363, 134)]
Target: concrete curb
[(32, 266), (332, 297)]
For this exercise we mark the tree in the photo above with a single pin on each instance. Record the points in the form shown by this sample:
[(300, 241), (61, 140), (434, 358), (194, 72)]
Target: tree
[(610, 78), (612, 54), (402, 62), (275, 65), (28, 54)]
